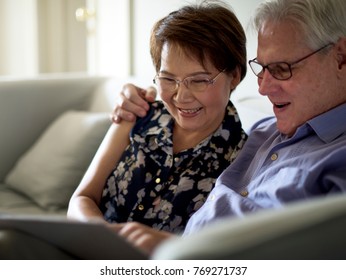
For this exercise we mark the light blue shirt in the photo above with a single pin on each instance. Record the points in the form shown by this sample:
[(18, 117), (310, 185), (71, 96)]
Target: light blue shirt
[(272, 169)]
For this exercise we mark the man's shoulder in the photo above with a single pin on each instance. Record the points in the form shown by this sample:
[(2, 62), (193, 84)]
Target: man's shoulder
[(268, 123)]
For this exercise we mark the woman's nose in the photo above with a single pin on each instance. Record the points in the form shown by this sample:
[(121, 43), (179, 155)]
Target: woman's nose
[(182, 93)]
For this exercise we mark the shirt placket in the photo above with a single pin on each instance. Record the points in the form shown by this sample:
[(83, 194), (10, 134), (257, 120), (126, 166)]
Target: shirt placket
[(157, 185)]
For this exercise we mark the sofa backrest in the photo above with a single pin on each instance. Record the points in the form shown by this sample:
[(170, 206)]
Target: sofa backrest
[(28, 106)]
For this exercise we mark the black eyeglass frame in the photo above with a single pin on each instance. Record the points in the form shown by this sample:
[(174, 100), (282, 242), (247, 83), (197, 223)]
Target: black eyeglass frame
[(288, 65)]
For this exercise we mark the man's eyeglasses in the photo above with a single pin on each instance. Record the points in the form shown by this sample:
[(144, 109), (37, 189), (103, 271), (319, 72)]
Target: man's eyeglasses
[(196, 83), (279, 70)]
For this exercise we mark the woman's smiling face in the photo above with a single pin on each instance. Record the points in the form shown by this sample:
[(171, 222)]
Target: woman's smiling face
[(195, 112)]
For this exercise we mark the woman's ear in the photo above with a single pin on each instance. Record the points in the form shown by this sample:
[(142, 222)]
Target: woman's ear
[(236, 78)]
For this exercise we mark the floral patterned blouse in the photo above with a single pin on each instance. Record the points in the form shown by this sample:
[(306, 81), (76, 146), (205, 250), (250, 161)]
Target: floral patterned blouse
[(153, 186)]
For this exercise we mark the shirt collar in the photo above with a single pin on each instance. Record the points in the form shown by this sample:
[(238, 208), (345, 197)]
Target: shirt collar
[(331, 124)]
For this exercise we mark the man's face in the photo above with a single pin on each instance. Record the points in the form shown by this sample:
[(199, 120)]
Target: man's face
[(313, 88)]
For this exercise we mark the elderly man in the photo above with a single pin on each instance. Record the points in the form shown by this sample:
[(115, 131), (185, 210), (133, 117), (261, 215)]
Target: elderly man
[(301, 68)]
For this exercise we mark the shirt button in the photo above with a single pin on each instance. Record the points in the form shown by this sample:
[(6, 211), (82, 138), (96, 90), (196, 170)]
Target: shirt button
[(274, 157), (244, 193), (176, 159), (141, 207), (157, 180)]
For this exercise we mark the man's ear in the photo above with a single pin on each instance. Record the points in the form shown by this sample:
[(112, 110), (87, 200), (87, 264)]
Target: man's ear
[(341, 52)]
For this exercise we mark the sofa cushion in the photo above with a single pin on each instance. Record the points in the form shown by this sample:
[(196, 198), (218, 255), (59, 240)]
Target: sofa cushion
[(51, 169), (13, 202)]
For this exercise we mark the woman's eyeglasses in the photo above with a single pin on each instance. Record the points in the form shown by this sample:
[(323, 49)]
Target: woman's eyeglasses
[(196, 83)]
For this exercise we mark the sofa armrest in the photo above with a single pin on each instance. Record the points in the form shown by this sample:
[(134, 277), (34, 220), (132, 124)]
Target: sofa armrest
[(308, 230), (28, 106)]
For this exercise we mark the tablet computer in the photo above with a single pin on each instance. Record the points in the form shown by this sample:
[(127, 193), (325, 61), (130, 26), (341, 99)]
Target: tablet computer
[(84, 240)]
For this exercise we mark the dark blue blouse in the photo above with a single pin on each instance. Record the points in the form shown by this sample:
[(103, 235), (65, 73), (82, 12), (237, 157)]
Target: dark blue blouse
[(153, 186)]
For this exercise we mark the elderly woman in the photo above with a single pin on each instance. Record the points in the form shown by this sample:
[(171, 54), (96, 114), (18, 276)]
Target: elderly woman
[(159, 170)]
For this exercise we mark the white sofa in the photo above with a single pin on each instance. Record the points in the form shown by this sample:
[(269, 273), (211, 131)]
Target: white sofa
[(50, 129)]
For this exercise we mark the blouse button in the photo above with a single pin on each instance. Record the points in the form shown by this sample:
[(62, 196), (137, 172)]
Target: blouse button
[(157, 180), (141, 207), (165, 218), (274, 157), (244, 193)]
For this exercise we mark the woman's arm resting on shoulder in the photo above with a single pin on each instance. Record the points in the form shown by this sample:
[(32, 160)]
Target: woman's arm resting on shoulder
[(131, 102), (84, 203)]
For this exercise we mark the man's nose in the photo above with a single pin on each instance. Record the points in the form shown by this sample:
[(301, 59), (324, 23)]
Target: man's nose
[(267, 83)]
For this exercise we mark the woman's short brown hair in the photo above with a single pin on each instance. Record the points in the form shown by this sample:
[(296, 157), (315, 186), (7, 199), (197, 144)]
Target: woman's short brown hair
[(206, 30)]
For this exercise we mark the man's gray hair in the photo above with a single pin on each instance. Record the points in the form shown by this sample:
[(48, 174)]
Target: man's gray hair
[(322, 21)]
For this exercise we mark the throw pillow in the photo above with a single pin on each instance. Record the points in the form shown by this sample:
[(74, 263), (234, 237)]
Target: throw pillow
[(49, 172)]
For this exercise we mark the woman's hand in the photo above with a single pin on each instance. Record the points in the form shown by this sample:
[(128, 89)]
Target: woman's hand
[(132, 102), (142, 236)]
